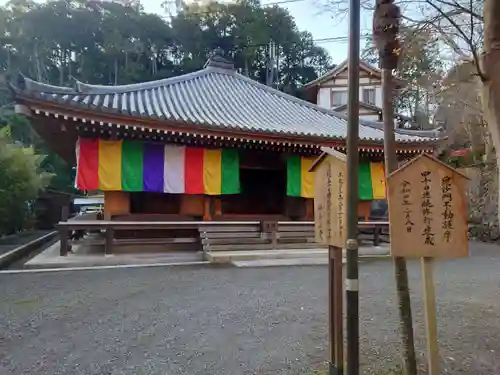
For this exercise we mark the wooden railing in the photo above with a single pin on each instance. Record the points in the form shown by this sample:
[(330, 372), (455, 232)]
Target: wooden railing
[(280, 234)]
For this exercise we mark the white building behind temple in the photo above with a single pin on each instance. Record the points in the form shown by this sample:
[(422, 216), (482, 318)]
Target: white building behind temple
[(330, 90)]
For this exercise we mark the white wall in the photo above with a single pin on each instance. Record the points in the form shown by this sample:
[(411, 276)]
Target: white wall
[(378, 96), (369, 117), (366, 117), (323, 97)]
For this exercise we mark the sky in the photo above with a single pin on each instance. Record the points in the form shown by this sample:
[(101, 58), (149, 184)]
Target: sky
[(310, 16)]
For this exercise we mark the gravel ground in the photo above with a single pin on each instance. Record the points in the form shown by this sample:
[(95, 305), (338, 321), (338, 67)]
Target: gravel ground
[(204, 321)]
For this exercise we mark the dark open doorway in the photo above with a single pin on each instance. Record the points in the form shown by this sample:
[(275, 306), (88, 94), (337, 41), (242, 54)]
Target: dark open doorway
[(263, 184), (154, 203)]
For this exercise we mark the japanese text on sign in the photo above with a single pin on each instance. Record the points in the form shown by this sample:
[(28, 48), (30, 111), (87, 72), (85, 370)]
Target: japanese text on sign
[(341, 202), (427, 210), (427, 206), (447, 215), (406, 193), (329, 201)]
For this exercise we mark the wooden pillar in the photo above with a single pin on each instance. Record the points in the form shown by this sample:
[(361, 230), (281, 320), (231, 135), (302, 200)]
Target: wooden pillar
[(218, 207), (64, 233), (64, 241), (116, 203), (110, 234), (64, 213), (309, 215), (207, 208), (376, 235), (192, 205), (364, 209)]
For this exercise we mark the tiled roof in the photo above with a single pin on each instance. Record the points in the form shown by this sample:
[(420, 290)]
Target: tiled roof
[(361, 104), (214, 97), (344, 65)]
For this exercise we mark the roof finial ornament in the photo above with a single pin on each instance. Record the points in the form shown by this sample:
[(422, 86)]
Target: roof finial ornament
[(217, 60)]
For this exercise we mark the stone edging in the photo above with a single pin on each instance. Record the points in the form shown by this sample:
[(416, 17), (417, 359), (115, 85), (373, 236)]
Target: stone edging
[(15, 254)]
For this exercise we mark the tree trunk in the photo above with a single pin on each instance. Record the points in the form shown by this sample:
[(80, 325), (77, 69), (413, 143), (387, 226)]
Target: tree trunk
[(246, 67), (491, 80), (400, 269), (38, 65), (8, 62), (414, 110), (62, 60), (70, 60)]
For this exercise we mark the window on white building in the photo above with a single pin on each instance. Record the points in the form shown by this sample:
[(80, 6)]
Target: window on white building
[(369, 96), (339, 98)]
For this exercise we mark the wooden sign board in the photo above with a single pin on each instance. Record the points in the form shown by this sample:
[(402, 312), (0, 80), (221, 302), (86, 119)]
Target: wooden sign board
[(330, 199), (427, 210)]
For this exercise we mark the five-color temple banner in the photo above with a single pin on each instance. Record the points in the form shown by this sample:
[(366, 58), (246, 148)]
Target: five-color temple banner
[(136, 166), (154, 167), (300, 182)]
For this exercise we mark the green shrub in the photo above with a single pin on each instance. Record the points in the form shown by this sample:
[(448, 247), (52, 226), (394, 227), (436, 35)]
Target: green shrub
[(21, 181)]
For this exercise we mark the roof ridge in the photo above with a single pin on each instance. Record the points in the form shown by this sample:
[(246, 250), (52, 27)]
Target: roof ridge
[(339, 67), (331, 112), (86, 88), (429, 133), (25, 83), (282, 94)]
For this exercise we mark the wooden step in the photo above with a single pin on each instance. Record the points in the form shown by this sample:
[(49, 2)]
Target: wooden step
[(154, 241), (269, 246), (230, 256), (295, 228), (92, 242), (233, 240), (236, 247), (241, 235), (297, 240), (228, 228), (296, 234), (141, 248)]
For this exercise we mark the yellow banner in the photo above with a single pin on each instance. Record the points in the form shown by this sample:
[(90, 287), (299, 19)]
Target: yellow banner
[(110, 165), (378, 180), (212, 172), (307, 178)]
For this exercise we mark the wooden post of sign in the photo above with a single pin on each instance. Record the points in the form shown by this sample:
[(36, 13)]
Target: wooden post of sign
[(336, 309), (430, 315), (332, 305), (330, 229), (338, 295), (428, 220)]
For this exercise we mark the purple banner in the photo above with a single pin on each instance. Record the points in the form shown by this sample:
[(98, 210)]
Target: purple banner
[(154, 155)]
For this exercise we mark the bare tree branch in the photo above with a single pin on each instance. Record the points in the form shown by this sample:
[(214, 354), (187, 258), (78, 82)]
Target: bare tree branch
[(433, 23), (468, 40), (471, 20), (469, 11)]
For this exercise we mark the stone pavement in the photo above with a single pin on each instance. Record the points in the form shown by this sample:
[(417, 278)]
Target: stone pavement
[(308, 257), (94, 257), (50, 258)]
